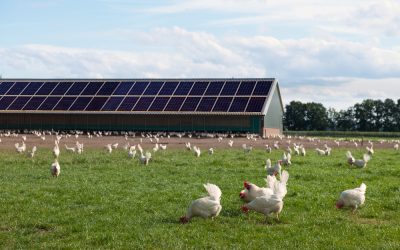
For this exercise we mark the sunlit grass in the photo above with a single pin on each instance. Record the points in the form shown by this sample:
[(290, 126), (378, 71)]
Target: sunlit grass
[(110, 201)]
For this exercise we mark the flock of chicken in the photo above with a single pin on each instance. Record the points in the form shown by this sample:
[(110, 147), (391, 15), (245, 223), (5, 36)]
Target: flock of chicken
[(265, 200)]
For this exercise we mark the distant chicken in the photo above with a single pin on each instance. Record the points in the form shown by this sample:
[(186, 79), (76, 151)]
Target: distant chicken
[(268, 148), (230, 143), (270, 203), (247, 148), (132, 152), (32, 153), (70, 149), (320, 151), (286, 159), (210, 151), (352, 197), (188, 146), (276, 169), (350, 158), (370, 150), (163, 147), (302, 151), (396, 146), (109, 148), (20, 149), (115, 145), (56, 150), (55, 169), (206, 207), (144, 159), (197, 151)]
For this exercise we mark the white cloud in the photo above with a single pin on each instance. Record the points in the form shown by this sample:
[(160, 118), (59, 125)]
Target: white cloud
[(345, 94), (307, 68)]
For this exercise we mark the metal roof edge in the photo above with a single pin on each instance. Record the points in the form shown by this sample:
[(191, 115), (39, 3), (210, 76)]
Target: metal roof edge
[(135, 79), (275, 86)]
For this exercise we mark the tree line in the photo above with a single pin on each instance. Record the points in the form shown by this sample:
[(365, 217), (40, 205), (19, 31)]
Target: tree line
[(369, 115)]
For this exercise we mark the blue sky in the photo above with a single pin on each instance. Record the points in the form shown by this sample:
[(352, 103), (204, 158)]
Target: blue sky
[(334, 52)]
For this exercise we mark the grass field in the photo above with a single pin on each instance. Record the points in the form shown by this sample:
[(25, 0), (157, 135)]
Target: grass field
[(110, 201)]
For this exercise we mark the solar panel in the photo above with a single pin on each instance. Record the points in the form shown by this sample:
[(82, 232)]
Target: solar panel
[(168, 88), (245, 88), (255, 104), (49, 103), (6, 101), (153, 88), (138, 88), (76, 88), (64, 103), (128, 103), (159, 104), (32, 88), (17, 88), (174, 104), (61, 88), (222, 104), (80, 103), (190, 104), (262, 88), (219, 95), (5, 86), (214, 89), (34, 103), (123, 88), (108, 88), (230, 88), (206, 104), (143, 103), (92, 88), (239, 104), (96, 104), (183, 88), (199, 88), (112, 103)]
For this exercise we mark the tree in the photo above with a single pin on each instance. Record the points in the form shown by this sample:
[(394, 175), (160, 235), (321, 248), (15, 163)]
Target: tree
[(316, 116), (293, 118)]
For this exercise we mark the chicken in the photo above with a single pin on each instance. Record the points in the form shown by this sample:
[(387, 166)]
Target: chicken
[(33, 151), (268, 149), (362, 163), (210, 151), (230, 143), (350, 158), (320, 151), (286, 159), (55, 169), (276, 169), (396, 146), (188, 146), (132, 152), (20, 149), (252, 191), (197, 151), (352, 197), (115, 145), (209, 206), (156, 147), (144, 159), (109, 148), (302, 151), (370, 150), (270, 203), (56, 150), (246, 148), (163, 147), (73, 149)]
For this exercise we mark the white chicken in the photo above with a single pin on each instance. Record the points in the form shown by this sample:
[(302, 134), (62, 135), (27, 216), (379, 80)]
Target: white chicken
[(396, 146), (197, 151), (320, 151), (230, 143), (252, 191), (370, 150), (362, 163), (55, 169), (352, 197), (276, 169), (115, 145), (70, 149), (206, 207), (33, 151), (350, 158), (156, 147), (247, 148), (188, 146), (268, 149), (109, 148), (286, 159), (132, 152), (210, 151), (270, 203), (144, 159), (20, 149), (302, 151), (163, 147), (56, 150)]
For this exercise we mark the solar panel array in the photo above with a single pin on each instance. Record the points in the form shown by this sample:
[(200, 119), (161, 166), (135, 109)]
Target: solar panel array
[(233, 95)]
